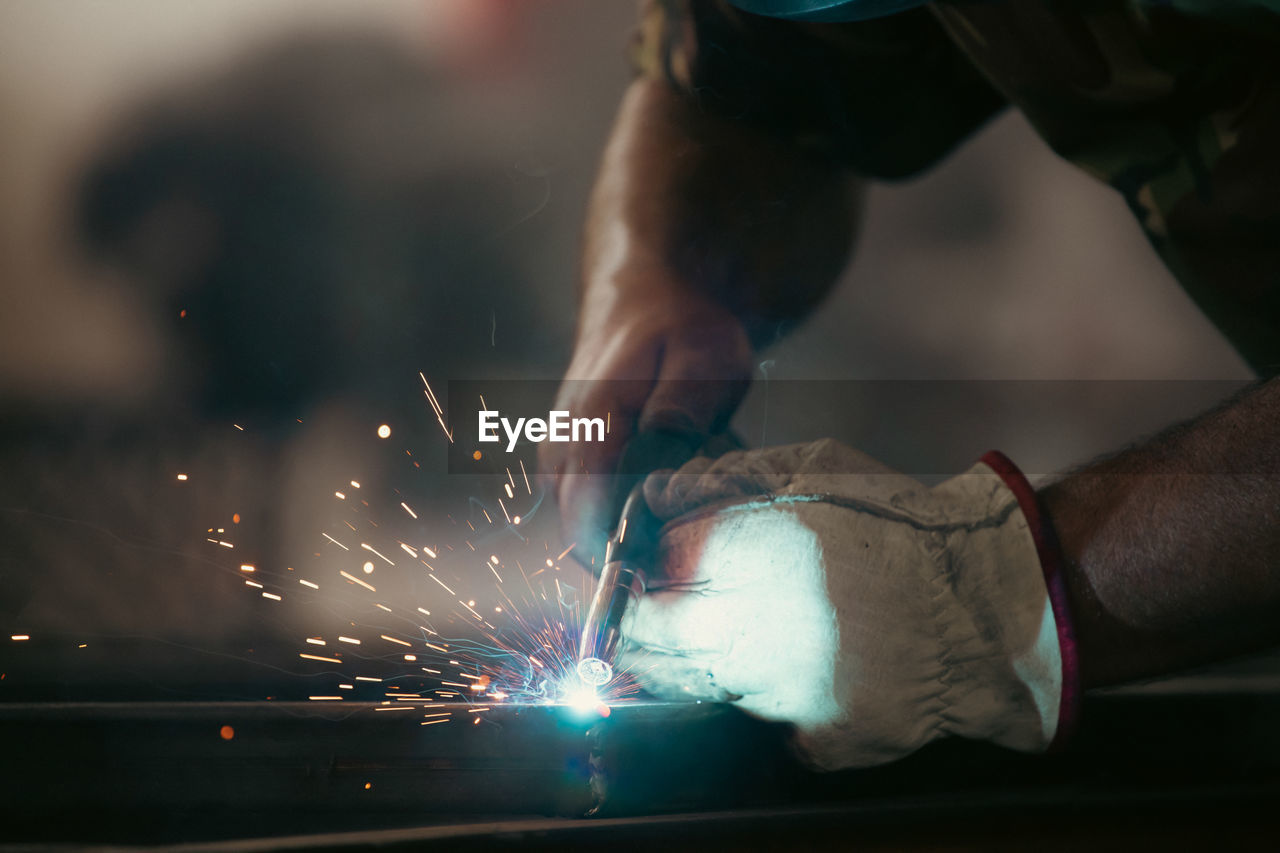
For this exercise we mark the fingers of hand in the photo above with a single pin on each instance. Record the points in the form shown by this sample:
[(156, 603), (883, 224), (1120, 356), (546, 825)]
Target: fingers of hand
[(675, 641), (675, 677), (820, 467), (579, 473), (704, 482), (700, 382), (699, 374)]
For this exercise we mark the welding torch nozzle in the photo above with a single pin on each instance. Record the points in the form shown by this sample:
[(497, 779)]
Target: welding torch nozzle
[(620, 584), (622, 580), (631, 549)]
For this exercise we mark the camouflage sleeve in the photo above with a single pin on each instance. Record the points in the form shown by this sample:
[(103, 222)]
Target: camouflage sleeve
[(1176, 105), (887, 97)]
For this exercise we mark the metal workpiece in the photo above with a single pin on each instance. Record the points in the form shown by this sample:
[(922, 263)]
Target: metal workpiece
[(662, 775), (165, 771)]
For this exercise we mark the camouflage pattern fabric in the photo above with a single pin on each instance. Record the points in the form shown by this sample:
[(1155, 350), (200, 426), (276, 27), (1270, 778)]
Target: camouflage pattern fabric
[(1175, 104)]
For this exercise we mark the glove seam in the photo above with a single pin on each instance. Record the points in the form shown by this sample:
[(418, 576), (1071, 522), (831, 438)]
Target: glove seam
[(874, 509), (940, 559)]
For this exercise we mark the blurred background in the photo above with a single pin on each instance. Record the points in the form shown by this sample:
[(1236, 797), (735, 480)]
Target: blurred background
[(233, 233)]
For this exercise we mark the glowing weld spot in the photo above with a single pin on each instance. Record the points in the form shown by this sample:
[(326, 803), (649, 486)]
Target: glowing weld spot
[(583, 701)]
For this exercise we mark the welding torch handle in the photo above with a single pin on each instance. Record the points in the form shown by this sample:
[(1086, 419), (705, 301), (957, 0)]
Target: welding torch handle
[(634, 541), (622, 580)]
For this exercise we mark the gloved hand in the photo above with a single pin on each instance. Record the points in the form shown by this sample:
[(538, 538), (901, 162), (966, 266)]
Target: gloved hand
[(811, 585)]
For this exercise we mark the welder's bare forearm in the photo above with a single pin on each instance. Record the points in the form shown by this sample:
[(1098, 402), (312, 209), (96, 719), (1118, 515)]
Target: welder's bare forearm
[(704, 238), (738, 216), (1173, 547)]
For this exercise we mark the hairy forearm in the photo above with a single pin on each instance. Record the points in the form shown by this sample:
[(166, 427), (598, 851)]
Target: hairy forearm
[(1172, 548), (732, 214)]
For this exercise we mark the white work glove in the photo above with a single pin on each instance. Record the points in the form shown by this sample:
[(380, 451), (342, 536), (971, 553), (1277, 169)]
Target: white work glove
[(811, 585)]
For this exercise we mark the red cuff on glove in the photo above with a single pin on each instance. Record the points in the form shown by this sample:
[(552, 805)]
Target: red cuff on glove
[(1051, 563)]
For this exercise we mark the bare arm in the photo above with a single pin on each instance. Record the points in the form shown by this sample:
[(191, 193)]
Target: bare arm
[(704, 238), (1173, 548), (714, 209), (726, 205)]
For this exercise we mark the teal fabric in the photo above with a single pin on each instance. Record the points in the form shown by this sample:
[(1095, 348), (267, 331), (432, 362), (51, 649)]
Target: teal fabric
[(825, 10)]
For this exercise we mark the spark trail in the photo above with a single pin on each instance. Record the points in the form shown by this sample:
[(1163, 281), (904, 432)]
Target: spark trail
[(467, 626)]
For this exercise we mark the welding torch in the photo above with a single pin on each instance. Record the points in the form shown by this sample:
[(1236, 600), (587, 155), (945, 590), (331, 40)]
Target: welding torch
[(630, 552)]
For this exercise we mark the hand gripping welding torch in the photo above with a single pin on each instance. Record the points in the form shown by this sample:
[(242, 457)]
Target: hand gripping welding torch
[(629, 553)]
